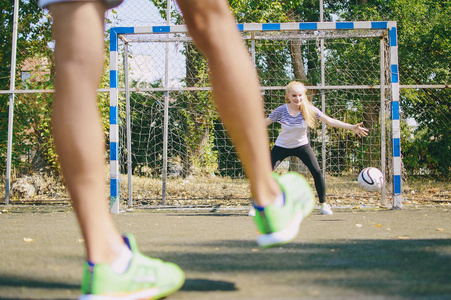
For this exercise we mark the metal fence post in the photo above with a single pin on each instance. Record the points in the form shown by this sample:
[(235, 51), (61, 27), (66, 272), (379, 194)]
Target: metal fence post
[(166, 110), (11, 104)]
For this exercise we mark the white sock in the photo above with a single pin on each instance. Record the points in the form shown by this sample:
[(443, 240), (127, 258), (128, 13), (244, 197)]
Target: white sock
[(120, 265)]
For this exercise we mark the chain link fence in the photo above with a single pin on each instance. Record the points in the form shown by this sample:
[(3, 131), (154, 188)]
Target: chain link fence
[(425, 108)]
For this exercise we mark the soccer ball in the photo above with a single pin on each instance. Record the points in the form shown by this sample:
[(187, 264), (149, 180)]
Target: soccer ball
[(371, 179)]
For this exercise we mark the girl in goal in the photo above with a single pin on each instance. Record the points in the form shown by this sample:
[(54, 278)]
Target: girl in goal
[(296, 116)]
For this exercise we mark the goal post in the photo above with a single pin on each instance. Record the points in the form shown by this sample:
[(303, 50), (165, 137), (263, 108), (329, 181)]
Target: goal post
[(395, 117), (253, 34)]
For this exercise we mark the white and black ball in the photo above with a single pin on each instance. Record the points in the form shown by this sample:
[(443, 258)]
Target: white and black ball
[(371, 179)]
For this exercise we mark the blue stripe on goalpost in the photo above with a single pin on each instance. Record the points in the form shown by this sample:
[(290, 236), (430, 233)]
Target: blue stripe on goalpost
[(113, 79), (114, 190), (345, 25), (113, 114), (379, 25), (161, 29), (394, 73), (395, 111), (114, 150), (391, 26), (113, 35), (271, 26), (308, 26), (397, 184), (393, 37), (396, 147)]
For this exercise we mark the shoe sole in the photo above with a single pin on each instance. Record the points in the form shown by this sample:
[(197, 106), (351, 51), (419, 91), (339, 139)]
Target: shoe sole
[(141, 295), (147, 294)]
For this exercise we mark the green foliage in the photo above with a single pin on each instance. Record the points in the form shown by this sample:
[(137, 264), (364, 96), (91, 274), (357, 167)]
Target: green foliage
[(424, 56), (426, 146), (33, 35), (427, 154), (189, 132), (424, 33), (254, 11), (32, 142), (197, 113), (228, 162), (194, 112), (33, 145), (147, 131), (161, 5), (275, 64)]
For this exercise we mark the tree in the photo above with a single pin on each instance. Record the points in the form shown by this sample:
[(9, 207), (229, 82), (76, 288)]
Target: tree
[(32, 141), (33, 147), (424, 58), (196, 109)]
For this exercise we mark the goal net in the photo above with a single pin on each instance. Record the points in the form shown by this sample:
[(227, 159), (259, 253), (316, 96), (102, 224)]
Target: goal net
[(168, 145)]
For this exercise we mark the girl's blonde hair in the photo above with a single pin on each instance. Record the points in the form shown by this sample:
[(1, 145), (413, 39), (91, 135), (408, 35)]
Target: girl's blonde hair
[(305, 106)]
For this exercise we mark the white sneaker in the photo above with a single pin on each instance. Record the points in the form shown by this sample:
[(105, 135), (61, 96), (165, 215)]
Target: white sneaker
[(251, 212), (326, 210)]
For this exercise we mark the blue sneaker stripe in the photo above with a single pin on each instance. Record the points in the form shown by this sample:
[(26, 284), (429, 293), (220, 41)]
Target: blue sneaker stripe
[(91, 266), (127, 241), (259, 208)]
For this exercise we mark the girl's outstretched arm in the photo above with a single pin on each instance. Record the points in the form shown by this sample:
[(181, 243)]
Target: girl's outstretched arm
[(356, 128)]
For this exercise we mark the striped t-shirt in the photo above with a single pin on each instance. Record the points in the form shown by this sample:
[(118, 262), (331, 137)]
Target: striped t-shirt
[(294, 128)]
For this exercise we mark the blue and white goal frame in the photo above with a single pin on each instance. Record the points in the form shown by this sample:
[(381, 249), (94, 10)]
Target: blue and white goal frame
[(390, 26)]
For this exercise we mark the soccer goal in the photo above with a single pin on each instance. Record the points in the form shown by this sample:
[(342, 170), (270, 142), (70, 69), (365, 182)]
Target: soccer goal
[(168, 145)]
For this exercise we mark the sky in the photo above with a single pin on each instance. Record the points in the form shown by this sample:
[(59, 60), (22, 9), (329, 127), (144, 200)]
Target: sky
[(148, 59)]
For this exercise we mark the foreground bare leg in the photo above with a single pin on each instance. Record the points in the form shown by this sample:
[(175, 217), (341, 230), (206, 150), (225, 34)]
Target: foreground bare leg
[(79, 138), (235, 90)]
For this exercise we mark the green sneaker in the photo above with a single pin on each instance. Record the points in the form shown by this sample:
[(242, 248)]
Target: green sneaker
[(279, 225), (145, 278)]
